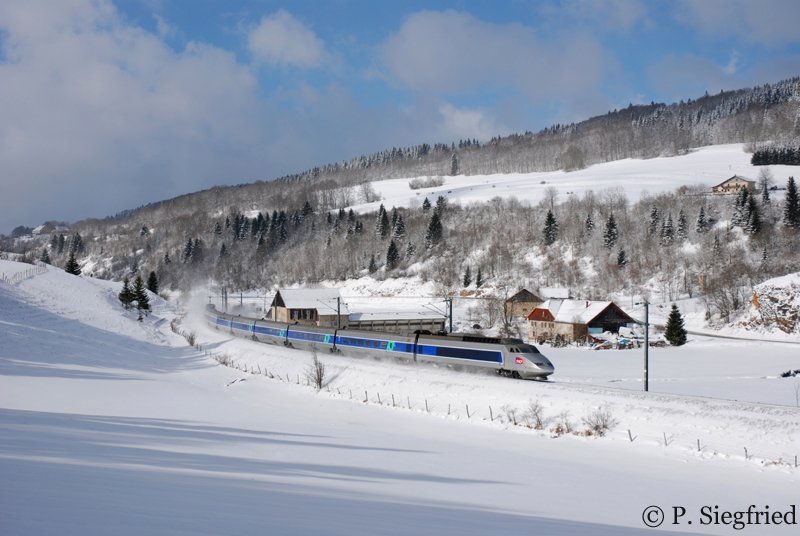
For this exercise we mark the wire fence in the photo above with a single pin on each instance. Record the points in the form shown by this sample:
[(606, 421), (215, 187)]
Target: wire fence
[(520, 416), (16, 277)]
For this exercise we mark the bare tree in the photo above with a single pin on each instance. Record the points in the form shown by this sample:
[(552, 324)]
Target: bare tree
[(316, 371)]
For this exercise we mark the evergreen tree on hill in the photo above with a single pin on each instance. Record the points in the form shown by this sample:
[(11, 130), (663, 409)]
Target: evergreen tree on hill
[(126, 294), (702, 222), (392, 256), (611, 233), (550, 232), (72, 266), (152, 282), (791, 206), (140, 294), (467, 277), (434, 234)]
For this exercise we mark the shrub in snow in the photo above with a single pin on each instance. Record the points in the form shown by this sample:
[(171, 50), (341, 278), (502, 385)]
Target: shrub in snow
[(599, 422), (563, 425), (534, 415), (510, 412)]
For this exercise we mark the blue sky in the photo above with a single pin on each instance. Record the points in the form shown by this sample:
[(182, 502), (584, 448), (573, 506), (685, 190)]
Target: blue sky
[(112, 104)]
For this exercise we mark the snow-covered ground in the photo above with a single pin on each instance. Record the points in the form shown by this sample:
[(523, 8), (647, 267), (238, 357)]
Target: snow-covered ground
[(706, 166), (111, 426)]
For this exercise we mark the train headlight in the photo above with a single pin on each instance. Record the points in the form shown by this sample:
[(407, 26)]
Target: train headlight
[(519, 361)]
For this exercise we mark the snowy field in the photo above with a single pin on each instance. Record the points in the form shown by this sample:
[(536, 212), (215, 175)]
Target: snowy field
[(111, 426), (706, 166)]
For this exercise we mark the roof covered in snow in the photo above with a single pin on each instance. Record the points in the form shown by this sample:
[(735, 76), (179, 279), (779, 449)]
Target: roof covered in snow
[(322, 299), (396, 315), (554, 292), (574, 311)]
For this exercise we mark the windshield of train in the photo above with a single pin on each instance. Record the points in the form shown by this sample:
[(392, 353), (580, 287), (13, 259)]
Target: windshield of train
[(528, 349)]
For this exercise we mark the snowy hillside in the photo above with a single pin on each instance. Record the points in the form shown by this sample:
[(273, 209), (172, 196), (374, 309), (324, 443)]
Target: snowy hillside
[(114, 426), (705, 166)]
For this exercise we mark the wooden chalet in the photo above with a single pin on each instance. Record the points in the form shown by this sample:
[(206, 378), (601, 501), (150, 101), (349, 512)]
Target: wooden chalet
[(575, 320), (734, 185)]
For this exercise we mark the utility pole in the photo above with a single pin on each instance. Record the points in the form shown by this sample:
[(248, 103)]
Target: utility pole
[(338, 312), (646, 342), (449, 302)]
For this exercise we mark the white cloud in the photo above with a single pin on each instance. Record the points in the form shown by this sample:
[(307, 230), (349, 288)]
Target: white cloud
[(454, 53), (768, 22), (100, 116), (613, 15), (460, 123), (281, 39)]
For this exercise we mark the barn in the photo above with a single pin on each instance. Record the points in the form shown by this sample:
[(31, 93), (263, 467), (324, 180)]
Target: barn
[(522, 303), (575, 320)]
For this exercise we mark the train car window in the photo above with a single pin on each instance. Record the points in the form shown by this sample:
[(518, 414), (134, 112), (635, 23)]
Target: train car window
[(383, 345), (469, 353)]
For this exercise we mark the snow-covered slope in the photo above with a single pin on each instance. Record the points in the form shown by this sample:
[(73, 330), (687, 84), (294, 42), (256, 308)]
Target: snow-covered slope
[(705, 166), (111, 426)]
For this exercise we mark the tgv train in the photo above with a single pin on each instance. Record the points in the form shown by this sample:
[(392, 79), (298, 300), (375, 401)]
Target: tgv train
[(508, 357)]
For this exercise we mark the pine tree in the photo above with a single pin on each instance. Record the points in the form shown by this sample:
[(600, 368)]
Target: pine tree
[(739, 217), (675, 333), (611, 233), (479, 278), (434, 233), (441, 205), (140, 294), (454, 165), (655, 218), (72, 266), (373, 267), (667, 232), (384, 227), (76, 244), (550, 232), (152, 282), (392, 256), (589, 224), (467, 277), (382, 223), (308, 210), (167, 260), (126, 294), (426, 205), (682, 231), (45, 256), (702, 223), (188, 250), (791, 206), (61, 242), (753, 224), (622, 259), (400, 228)]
